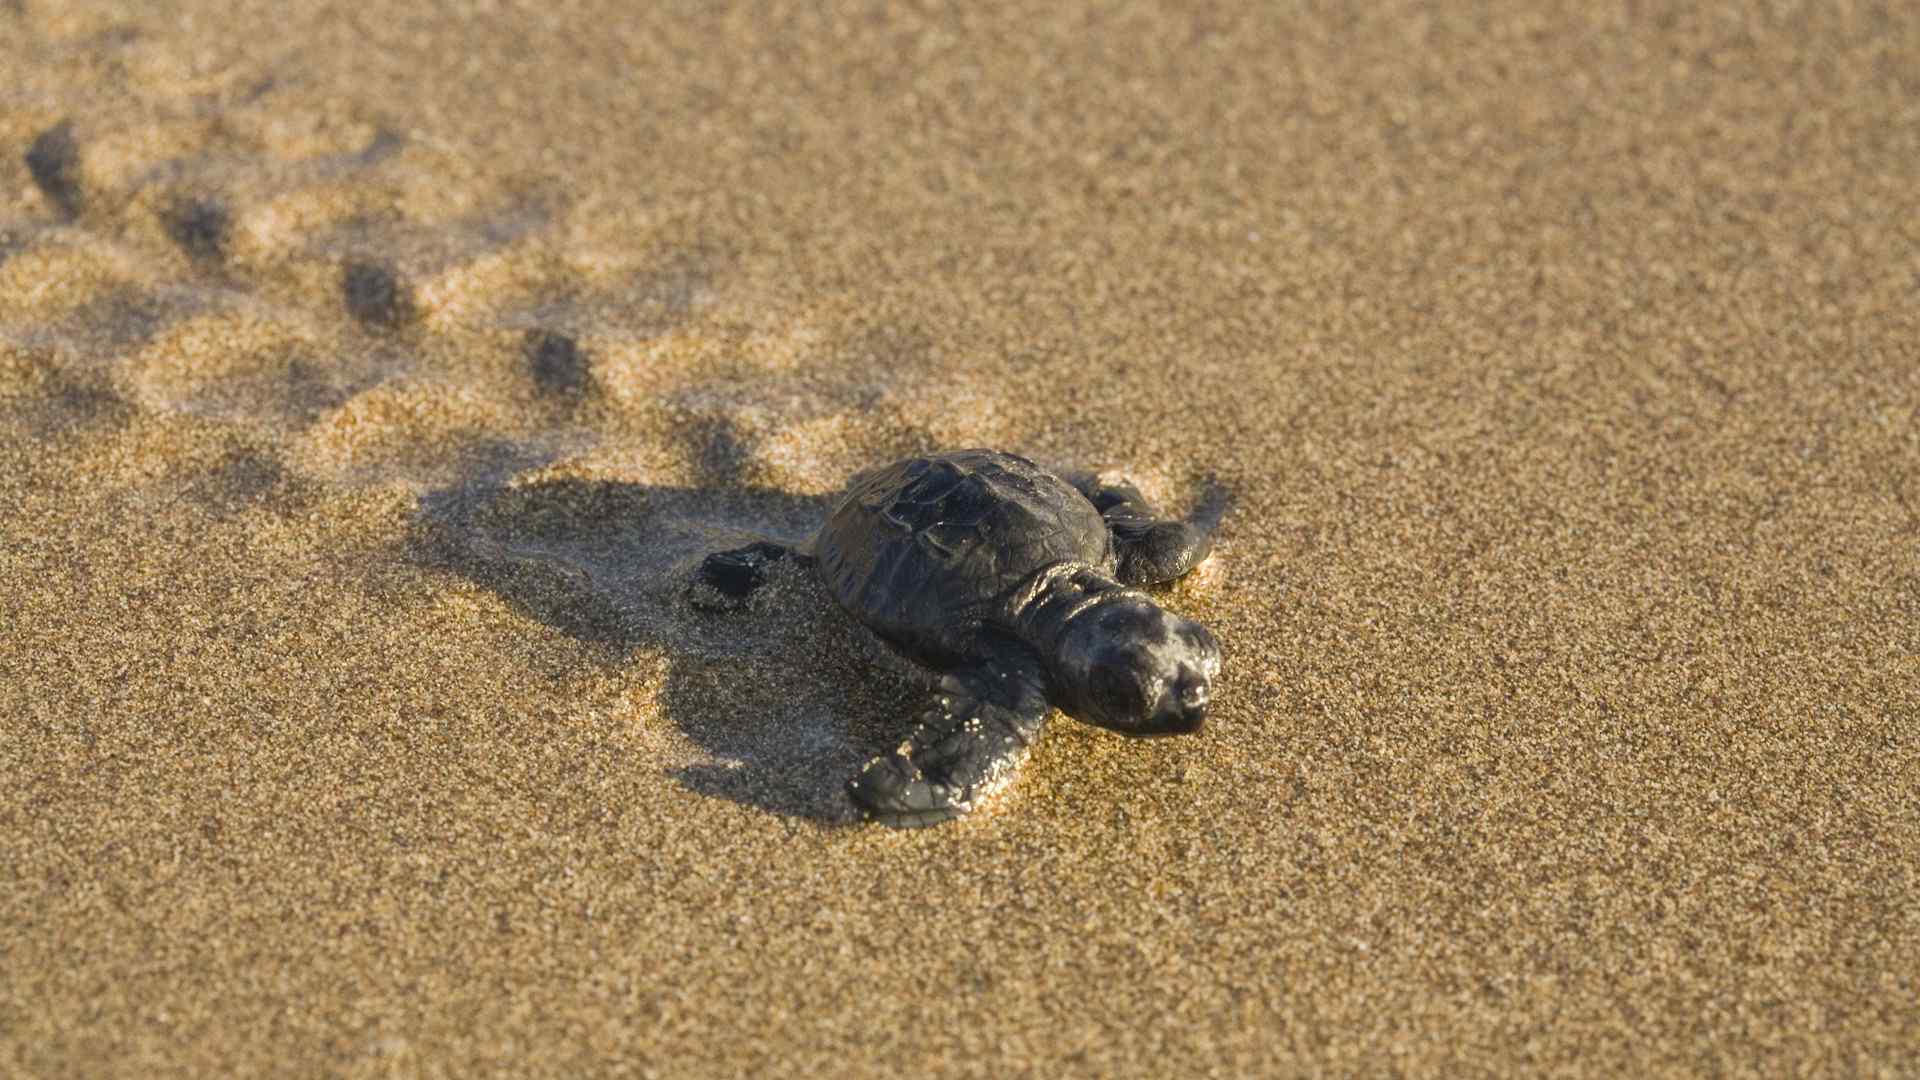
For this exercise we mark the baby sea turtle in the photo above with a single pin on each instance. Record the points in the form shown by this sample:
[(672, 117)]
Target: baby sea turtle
[(1010, 583)]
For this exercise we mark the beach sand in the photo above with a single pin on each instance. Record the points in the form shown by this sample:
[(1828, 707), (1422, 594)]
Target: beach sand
[(371, 378)]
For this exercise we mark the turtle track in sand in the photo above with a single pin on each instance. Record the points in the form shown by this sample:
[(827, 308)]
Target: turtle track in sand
[(336, 303)]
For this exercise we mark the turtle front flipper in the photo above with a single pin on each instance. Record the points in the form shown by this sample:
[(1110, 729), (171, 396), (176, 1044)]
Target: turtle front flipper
[(1149, 549), (967, 744)]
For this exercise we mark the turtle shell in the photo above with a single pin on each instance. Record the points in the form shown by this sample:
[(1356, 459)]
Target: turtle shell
[(923, 551)]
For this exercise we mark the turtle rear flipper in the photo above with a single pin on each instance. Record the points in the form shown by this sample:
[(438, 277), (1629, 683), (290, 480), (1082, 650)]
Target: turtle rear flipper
[(1148, 549), (726, 579), (968, 743)]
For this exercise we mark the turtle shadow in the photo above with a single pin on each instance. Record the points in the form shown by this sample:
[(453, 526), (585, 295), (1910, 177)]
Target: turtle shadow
[(788, 698), (782, 697)]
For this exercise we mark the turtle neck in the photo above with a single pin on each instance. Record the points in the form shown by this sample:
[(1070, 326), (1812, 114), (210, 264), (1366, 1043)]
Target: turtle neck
[(1040, 608)]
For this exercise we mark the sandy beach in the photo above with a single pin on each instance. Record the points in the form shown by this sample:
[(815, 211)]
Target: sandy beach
[(372, 377)]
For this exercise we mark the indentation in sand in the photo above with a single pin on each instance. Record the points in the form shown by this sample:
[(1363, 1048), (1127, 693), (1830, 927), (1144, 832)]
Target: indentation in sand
[(52, 272), (54, 163), (415, 431), (243, 367)]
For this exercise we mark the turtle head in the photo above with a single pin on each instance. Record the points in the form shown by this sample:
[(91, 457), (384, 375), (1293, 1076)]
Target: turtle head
[(1128, 665)]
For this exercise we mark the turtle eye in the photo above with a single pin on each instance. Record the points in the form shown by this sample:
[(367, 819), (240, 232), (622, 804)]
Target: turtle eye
[(1114, 693)]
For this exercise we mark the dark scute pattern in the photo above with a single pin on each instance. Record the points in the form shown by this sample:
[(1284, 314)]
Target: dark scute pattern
[(917, 549)]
